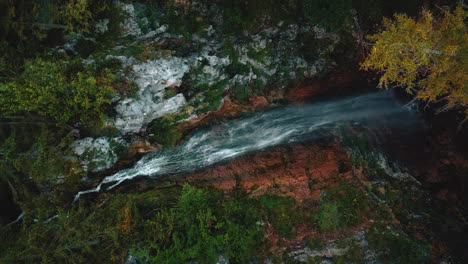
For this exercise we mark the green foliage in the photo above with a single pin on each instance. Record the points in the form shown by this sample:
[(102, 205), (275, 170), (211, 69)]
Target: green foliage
[(42, 156), (44, 160), (199, 240), (282, 213), (32, 163), (73, 235), (163, 131), (396, 247), (343, 206), (76, 14), (354, 254), (48, 89), (240, 93), (30, 19), (187, 24), (170, 92), (428, 56), (140, 51), (203, 225), (161, 226), (328, 218), (207, 94)]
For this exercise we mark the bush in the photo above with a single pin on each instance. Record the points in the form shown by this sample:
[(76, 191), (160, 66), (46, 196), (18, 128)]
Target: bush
[(163, 131), (48, 89)]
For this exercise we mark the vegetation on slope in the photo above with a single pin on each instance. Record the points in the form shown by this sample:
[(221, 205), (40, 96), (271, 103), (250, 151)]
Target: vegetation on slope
[(177, 225)]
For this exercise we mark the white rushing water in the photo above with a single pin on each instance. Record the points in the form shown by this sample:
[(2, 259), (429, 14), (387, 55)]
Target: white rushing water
[(261, 130)]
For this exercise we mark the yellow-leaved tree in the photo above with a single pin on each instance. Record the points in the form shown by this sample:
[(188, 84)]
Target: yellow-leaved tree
[(427, 56)]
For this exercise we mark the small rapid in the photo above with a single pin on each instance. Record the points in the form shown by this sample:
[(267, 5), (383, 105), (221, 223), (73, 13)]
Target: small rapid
[(283, 125)]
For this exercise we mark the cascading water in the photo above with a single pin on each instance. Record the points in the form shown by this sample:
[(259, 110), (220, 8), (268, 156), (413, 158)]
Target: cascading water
[(278, 126)]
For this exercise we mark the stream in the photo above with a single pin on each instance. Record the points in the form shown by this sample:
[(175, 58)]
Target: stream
[(282, 125)]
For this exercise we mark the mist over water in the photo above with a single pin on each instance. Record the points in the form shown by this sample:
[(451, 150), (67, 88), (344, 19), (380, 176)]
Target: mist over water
[(282, 125)]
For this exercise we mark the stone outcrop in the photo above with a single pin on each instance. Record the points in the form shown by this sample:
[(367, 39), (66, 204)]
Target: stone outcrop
[(98, 154), (152, 78)]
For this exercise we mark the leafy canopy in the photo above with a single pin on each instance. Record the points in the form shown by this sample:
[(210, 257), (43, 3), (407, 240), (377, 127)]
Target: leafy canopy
[(428, 56)]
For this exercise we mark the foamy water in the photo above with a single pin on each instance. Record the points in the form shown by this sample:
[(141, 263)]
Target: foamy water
[(282, 125)]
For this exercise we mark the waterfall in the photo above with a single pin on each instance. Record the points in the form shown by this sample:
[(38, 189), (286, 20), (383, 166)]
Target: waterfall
[(287, 124)]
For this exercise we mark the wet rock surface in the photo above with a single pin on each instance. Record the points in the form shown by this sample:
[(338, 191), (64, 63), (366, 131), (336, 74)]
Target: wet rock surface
[(288, 170)]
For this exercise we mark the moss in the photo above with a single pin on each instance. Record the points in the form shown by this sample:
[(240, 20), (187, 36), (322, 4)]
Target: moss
[(212, 96)]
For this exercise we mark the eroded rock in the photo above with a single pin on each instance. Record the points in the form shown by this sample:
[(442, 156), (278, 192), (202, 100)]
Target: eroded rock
[(98, 154)]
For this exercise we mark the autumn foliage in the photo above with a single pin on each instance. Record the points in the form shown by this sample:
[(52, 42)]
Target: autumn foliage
[(427, 56)]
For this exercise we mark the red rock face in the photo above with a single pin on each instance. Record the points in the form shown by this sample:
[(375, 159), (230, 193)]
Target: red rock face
[(287, 170), (227, 110)]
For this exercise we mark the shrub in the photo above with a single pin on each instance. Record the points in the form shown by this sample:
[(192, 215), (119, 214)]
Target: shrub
[(44, 88), (163, 131)]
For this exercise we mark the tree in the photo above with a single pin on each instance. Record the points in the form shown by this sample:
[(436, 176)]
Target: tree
[(427, 56)]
